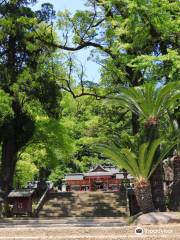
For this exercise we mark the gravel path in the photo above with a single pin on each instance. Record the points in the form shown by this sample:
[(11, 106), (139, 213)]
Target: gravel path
[(63, 230)]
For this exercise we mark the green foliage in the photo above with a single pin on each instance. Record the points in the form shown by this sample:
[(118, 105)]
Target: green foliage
[(27, 74), (172, 129), (139, 163), (26, 171), (135, 42), (50, 148), (146, 32), (148, 100), (55, 139), (89, 121), (5, 107), (58, 174)]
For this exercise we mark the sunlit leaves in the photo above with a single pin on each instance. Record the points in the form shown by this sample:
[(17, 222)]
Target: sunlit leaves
[(26, 171), (6, 111)]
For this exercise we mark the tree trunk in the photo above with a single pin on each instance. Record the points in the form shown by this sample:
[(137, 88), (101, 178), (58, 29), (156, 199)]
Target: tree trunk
[(15, 135), (8, 163), (135, 123), (144, 197), (158, 189), (174, 203), (156, 180)]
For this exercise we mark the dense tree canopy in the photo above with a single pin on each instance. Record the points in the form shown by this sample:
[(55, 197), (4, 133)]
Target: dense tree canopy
[(50, 113), (24, 81)]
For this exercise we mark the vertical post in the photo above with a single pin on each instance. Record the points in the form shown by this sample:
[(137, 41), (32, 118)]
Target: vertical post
[(128, 207), (90, 187)]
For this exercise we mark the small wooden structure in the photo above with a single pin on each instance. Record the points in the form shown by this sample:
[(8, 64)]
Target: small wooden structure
[(21, 200)]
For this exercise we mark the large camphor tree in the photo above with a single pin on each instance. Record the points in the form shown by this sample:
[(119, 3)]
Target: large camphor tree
[(25, 80), (134, 41)]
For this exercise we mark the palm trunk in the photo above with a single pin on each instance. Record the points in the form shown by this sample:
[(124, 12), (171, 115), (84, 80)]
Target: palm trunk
[(174, 203), (156, 180), (144, 197), (158, 189), (135, 123)]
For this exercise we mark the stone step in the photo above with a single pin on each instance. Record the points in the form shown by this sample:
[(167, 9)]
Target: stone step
[(80, 214), (79, 206), (84, 209), (84, 204)]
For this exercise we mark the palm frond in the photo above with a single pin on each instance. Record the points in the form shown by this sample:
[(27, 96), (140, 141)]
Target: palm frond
[(148, 100), (142, 155), (163, 96), (138, 164), (114, 153), (167, 148), (152, 148), (131, 158)]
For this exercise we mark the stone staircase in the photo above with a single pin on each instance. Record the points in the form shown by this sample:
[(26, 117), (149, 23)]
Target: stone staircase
[(84, 204)]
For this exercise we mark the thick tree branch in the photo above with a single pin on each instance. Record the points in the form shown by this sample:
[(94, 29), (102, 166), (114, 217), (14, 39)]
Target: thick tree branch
[(79, 47), (67, 86)]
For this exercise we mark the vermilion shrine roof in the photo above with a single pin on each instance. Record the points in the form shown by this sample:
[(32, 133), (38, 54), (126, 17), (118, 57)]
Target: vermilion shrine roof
[(98, 170)]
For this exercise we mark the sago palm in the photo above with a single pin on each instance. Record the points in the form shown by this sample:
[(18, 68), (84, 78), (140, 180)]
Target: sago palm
[(150, 102), (140, 165)]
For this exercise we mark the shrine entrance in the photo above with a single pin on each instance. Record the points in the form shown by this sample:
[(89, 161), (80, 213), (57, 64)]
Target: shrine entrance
[(99, 186)]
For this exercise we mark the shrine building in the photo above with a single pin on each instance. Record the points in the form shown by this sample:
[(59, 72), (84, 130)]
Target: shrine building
[(99, 178)]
